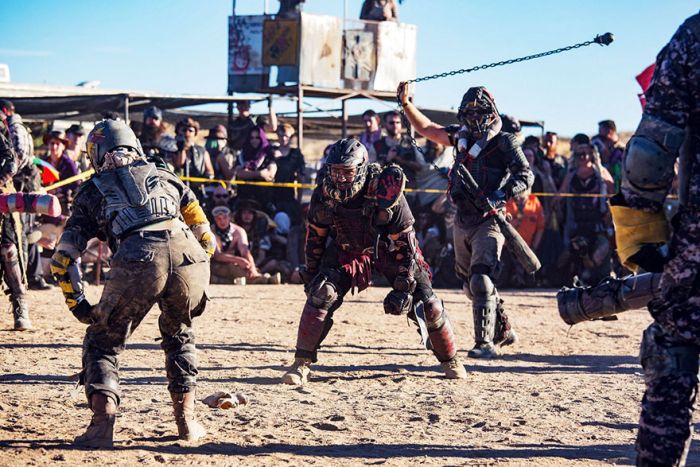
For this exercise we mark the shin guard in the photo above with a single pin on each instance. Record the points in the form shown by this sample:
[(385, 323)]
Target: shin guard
[(313, 328), (440, 330)]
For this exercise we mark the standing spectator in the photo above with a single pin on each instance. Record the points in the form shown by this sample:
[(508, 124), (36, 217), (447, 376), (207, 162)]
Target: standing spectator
[(290, 168), (558, 164), (373, 132), (396, 148), (379, 10), (232, 258), (156, 138), (290, 9), (240, 127), (57, 143), (19, 134), (527, 216), (220, 153), (607, 141), (191, 159), (586, 228), (256, 162), (75, 134)]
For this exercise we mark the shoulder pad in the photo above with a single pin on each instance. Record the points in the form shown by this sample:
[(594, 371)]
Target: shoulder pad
[(386, 188), (507, 141), (87, 184)]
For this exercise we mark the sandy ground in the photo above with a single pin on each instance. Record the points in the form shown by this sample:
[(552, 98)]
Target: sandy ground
[(374, 398)]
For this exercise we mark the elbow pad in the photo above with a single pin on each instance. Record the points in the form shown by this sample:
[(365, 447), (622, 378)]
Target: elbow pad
[(194, 214)]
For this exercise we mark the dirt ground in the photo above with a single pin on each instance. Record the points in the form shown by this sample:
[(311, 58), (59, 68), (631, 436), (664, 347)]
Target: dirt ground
[(558, 397)]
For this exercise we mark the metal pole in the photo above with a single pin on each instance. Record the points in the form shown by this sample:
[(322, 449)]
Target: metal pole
[(344, 110), (300, 115), (126, 108)]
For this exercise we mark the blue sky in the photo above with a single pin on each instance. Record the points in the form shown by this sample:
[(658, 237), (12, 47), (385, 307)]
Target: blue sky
[(181, 46)]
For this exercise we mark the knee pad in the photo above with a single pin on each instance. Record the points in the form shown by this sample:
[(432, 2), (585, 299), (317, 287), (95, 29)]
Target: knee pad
[(481, 285), (660, 358), (324, 295)]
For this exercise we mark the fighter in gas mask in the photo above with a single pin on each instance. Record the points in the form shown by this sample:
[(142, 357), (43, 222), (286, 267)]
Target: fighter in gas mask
[(497, 169)]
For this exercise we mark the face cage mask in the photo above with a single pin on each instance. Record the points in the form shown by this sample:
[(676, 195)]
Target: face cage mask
[(339, 195)]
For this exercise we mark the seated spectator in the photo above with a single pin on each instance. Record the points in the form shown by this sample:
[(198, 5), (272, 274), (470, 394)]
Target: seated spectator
[(222, 156), (587, 226), (275, 262), (260, 229), (256, 162), (220, 196), (373, 131), (527, 216), (232, 258), (290, 168), (191, 159), (379, 10)]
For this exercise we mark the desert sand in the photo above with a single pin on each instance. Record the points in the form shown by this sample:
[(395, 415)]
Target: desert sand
[(560, 396)]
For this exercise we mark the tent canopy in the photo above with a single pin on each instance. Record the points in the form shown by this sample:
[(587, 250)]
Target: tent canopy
[(44, 102)]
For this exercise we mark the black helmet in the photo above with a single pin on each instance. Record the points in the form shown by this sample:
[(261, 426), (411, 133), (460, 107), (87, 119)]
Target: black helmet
[(477, 110), (349, 155), (108, 135)]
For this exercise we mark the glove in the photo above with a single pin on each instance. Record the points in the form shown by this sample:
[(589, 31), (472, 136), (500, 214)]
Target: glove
[(398, 303), (72, 288), (637, 233), (495, 200), (208, 242), (83, 311)]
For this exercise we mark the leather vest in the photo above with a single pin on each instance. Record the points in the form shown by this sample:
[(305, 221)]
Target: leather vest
[(135, 196)]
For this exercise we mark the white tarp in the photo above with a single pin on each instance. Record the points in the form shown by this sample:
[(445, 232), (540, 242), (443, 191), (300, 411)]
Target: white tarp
[(321, 44), (396, 55)]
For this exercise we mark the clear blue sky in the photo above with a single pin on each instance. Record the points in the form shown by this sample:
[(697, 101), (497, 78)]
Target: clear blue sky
[(181, 46)]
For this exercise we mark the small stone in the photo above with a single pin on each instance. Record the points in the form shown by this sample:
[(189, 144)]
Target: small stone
[(159, 458), (59, 457), (337, 418)]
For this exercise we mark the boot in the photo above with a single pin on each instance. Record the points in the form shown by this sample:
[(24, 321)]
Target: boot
[(298, 374), (483, 350), (21, 314), (454, 369), (100, 432), (505, 334), (188, 428)]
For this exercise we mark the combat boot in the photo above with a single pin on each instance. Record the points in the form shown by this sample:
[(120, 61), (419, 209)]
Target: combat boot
[(21, 314), (505, 334), (483, 350), (100, 432), (298, 374), (454, 369), (188, 428)]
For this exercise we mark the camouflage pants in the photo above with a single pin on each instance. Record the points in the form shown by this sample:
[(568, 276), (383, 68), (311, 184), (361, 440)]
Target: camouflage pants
[(667, 407), (165, 267)]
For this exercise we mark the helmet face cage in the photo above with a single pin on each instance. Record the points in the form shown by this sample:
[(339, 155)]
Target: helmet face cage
[(346, 153), (477, 110), (107, 135)]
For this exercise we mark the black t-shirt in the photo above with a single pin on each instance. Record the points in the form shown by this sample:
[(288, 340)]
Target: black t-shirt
[(289, 169), (238, 131)]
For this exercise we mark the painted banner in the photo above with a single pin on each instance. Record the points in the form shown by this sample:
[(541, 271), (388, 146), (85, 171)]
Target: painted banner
[(280, 42), (245, 40)]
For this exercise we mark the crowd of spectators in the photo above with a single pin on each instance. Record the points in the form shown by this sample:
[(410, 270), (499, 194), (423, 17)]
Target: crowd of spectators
[(260, 228)]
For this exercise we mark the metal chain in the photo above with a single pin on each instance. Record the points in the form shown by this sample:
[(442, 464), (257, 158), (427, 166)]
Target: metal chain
[(604, 39)]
